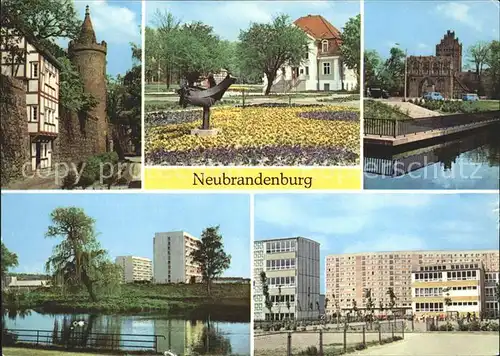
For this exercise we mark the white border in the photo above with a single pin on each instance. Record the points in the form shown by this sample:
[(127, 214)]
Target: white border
[(143, 77), (361, 93), (252, 238)]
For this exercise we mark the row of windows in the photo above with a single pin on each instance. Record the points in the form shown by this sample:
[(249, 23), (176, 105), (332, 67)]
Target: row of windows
[(463, 303), (287, 263), (465, 288), (435, 276), (491, 305), (428, 307), (282, 281), (428, 292), (282, 298), (461, 275), (282, 316), (280, 246)]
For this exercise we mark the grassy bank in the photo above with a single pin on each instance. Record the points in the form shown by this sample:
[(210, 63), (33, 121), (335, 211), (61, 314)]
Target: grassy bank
[(132, 298), (378, 110), (458, 107)]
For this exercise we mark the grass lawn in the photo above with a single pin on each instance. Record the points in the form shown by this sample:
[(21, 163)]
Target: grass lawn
[(270, 135), (487, 105), (378, 110), (138, 298), (10, 351)]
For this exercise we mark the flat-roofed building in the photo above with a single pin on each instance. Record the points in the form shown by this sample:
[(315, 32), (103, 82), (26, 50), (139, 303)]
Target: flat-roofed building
[(135, 268), (452, 288), (292, 270), (491, 280), (171, 258)]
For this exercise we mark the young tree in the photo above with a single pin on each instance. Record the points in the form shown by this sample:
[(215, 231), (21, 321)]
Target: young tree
[(392, 298), (288, 307), (355, 307), (447, 300), (269, 47), (351, 45), (79, 258), (477, 55), (210, 256), (265, 293), (326, 307), (9, 260), (370, 305)]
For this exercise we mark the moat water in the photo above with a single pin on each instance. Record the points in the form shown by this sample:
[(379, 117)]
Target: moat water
[(466, 161), (183, 337)]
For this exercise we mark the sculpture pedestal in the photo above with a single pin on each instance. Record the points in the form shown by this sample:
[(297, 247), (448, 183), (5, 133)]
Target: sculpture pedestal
[(205, 132)]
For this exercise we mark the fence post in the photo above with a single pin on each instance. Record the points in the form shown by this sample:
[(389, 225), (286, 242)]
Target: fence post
[(396, 122), (37, 336), (243, 98), (392, 328), (364, 336), (403, 324), (156, 343), (412, 323), (345, 338), (289, 345), (379, 333), (321, 342)]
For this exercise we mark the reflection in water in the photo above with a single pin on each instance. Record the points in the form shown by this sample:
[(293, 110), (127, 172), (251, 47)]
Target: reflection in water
[(184, 337), (462, 161)]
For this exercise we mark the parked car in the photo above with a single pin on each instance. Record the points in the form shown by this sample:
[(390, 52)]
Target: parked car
[(379, 93), (433, 95), (470, 97)]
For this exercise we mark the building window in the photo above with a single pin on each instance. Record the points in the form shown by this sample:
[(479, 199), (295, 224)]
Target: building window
[(326, 68), (34, 69), (34, 113), (324, 46), (307, 70)]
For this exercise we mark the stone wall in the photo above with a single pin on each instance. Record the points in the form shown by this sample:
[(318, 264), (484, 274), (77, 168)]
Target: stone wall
[(14, 136), (77, 139)]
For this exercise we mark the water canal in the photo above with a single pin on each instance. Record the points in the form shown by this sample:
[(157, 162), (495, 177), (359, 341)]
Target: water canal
[(184, 337), (462, 161)]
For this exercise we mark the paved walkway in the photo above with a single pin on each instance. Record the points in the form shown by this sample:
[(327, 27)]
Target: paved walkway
[(439, 344), (414, 111)]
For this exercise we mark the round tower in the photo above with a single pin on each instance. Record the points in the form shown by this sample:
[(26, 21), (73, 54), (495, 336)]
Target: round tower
[(89, 57)]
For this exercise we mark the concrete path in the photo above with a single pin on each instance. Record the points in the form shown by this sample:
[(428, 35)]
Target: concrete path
[(414, 111), (439, 344)]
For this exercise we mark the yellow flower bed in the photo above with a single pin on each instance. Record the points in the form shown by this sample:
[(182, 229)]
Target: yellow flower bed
[(259, 127)]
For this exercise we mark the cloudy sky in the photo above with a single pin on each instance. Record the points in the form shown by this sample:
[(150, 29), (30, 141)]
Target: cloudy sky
[(127, 222), (420, 25), (118, 23), (229, 17), (346, 223)]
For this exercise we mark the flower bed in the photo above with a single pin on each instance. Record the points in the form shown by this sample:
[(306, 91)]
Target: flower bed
[(257, 135)]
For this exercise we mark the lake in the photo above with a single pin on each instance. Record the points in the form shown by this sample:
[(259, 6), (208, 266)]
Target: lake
[(464, 161), (184, 337)]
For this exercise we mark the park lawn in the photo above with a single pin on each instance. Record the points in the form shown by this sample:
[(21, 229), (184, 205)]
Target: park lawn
[(145, 297), (273, 135), (11, 351), (487, 105), (379, 110)]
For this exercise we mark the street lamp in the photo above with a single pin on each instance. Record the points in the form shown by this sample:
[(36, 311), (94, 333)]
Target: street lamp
[(406, 69)]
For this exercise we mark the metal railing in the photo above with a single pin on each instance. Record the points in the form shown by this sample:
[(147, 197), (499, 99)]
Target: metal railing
[(395, 128), (324, 340), (85, 340)]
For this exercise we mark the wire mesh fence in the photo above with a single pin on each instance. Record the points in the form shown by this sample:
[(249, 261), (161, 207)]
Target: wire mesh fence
[(328, 339)]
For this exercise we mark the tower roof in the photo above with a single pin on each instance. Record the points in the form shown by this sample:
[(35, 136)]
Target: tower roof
[(87, 34)]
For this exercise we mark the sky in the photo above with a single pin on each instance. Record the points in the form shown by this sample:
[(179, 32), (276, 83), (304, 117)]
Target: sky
[(126, 223), (118, 23), (419, 26), (229, 17), (374, 222)]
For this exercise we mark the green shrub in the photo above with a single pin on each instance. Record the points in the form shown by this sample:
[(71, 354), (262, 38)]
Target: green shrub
[(494, 327), (69, 181), (266, 328), (108, 157), (462, 326), (360, 346), (397, 338), (91, 169), (474, 326), (311, 350), (446, 327)]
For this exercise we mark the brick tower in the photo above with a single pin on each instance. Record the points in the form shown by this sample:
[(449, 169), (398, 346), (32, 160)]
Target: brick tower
[(89, 57), (451, 47)]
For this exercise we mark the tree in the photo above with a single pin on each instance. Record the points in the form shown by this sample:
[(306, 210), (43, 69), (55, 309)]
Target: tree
[(265, 293), (44, 19), (493, 62), (394, 70), (354, 307), (269, 47), (326, 307), (447, 300), (351, 45), (79, 258), (477, 55), (370, 305), (392, 298), (210, 255), (288, 307), (9, 260), (373, 68), (71, 92)]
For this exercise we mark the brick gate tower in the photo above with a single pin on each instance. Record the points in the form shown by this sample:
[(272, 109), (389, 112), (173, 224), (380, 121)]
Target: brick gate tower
[(89, 57)]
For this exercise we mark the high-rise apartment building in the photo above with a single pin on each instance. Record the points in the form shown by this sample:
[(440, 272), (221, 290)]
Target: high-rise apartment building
[(171, 258), (292, 270), (135, 268), (491, 279), (347, 275), (448, 288)]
